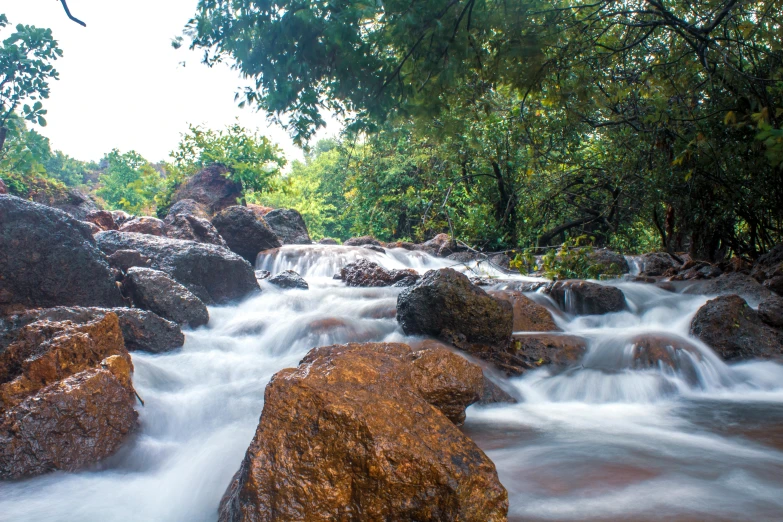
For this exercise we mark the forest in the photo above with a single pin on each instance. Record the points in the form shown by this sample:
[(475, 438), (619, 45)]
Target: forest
[(640, 125)]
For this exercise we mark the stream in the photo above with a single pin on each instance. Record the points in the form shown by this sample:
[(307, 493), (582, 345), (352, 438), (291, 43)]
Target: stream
[(603, 441)]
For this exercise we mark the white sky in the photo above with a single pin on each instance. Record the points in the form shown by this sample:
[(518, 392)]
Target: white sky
[(121, 83)]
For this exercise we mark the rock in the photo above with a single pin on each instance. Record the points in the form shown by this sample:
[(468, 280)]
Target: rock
[(245, 234), (367, 273), (142, 330), (327, 241), (69, 424), (362, 241), (494, 394), (212, 188), (466, 257), (444, 304), (771, 311), (289, 226), (192, 228), (214, 274), (3, 189), (584, 298), (48, 258), (360, 432), (188, 207), (289, 279), (735, 331), (259, 210), (769, 265), (653, 351), (263, 274), (441, 245), (47, 351), (375, 248), (501, 261), (549, 349), (72, 201), (609, 261), (102, 219), (145, 225), (775, 284), (657, 263), (529, 316), (155, 291), (120, 217), (399, 244), (694, 270), (94, 229), (125, 259), (731, 283)]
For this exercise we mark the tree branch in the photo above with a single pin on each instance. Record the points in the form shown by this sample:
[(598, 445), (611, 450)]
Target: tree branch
[(68, 12)]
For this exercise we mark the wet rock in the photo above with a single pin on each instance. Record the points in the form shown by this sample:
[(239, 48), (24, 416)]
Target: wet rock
[(731, 283), (444, 304), (263, 274), (775, 284), (70, 424), (585, 298), (657, 263), (609, 261), (145, 225), (441, 245), (214, 274), (367, 273), (694, 270), (259, 210), (735, 331), (193, 228), (327, 241), (94, 229), (212, 188), (102, 219), (529, 316), (120, 217), (244, 232), (501, 261), (48, 258), (47, 351), (466, 257), (289, 226), (549, 349), (72, 201), (289, 279), (374, 248), (491, 393), (362, 241), (771, 311), (769, 265), (188, 207), (125, 259), (155, 291), (406, 245), (653, 351), (142, 330), (358, 432)]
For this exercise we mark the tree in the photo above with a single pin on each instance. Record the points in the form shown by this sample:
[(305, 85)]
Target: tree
[(129, 182), (26, 69)]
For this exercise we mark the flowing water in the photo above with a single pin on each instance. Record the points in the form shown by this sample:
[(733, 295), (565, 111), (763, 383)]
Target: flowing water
[(614, 439)]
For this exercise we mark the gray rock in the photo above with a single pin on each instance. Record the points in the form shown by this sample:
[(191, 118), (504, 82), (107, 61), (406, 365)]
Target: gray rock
[(244, 232), (155, 291), (214, 274), (771, 311), (289, 279), (48, 258), (732, 283), (289, 226), (211, 188), (585, 298), (192, 228), (657, 263)]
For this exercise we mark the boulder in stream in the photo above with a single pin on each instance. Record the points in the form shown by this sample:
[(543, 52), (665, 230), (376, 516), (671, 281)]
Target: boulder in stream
[(529, 316), (657, 263), (289, 279), (214, 274), (735, 331), (366, 432), (244, 232), (552, 349), (155, 291), (736, 283), (362, 241), (212, 188), (585, 298), (289, 226), (771, 311), (367, 273), (48, 258)]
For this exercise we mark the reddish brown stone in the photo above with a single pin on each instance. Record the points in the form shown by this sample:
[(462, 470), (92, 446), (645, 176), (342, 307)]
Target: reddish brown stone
[(145, 225), (102, 219), (358, 432), (529, 316), (367, 273), (549, 349)]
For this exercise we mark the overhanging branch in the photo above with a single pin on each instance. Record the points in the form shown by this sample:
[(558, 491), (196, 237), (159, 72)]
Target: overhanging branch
[(68, 12)]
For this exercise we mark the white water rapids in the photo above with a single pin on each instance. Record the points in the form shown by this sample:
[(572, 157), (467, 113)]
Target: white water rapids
[(603, 441)]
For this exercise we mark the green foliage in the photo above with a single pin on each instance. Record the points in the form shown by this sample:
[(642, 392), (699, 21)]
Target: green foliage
[(26, 68), (70, 171), (571, 261), (129, 183), (251, 159)]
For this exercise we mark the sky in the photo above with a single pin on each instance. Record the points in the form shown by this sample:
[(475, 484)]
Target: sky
[(122, 84)]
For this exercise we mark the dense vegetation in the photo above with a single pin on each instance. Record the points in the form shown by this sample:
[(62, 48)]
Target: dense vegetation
[(642, 125)]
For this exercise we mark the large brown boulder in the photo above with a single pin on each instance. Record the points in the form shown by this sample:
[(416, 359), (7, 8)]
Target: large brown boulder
[(441, 245), (72, 201), (529, 316), (145, 225), (244, 232), (192, 228), (141, 330), (736, 283), (446, 305), (585, 298), (657, 263), (48, 258), (549, 349), (212, 188), (188, 207), (66, 398), (367, 273), (289, 226), (362, 432), (155, 291), (102, 219), (735, 331), (214, 274)]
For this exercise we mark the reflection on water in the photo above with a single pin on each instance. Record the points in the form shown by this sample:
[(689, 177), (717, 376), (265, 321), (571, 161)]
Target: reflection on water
[(623, 437)]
